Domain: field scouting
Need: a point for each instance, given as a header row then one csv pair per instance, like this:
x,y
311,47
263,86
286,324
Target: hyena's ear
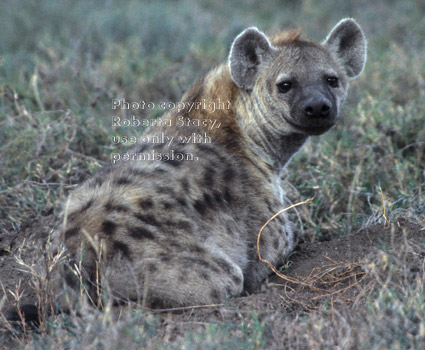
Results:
x,y
249,49
348,43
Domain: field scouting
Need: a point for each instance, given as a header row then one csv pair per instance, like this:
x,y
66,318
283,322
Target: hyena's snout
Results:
x,y
315,113
318,107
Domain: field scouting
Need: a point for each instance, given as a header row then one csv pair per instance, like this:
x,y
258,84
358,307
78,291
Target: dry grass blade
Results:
x,y
287,278
325,280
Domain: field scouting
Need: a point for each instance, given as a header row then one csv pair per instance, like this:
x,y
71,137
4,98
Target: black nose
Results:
x,y
318,107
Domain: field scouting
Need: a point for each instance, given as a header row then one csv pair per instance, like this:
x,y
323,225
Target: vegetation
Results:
x,y
62,62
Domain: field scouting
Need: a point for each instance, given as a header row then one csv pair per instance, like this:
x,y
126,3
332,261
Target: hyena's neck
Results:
x,y
266,137
239,128
272,147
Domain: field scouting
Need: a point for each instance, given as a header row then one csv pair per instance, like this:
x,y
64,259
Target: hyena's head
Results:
x,y
298,85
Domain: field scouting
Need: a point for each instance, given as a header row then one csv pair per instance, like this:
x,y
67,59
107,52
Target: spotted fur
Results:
x,y
175,233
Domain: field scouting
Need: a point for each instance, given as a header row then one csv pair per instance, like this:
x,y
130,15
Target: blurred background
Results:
x,y
61,63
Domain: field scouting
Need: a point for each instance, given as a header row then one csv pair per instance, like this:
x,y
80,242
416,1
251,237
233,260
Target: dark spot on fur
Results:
x,y
185,185
200,207
204,275
72,232
181,201
87,206
140,233
158,146
215,294
194,248
218,197
208,179
227,196
166,190
122,181
269,207
205,264
276,243
108,227
164,257
184,225
169,223
232,138
174,244
152,268
167,205
160,171
143,148
208,200
109,206
148,219
173,162
146,204
123,248
212,151
138,172
74,215
228,174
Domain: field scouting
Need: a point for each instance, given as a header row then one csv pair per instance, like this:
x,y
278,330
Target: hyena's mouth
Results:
x,y
310,128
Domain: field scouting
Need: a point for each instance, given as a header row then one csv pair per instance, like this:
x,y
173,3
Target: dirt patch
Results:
x,y
332,272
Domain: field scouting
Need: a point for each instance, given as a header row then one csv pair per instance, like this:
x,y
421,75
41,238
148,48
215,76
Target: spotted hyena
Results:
x,y
175,232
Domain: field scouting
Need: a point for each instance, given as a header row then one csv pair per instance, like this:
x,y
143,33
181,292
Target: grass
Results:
x,y
62,63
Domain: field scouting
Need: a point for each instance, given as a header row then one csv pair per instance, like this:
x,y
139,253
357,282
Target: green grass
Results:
x,y
62,62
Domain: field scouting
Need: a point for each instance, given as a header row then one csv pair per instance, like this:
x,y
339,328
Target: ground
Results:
x,y
333,273
61,64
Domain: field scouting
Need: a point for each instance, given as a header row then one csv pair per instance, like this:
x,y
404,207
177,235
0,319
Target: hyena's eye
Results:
x,y
284,86
333,82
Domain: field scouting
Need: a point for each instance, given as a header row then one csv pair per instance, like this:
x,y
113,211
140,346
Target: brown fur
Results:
x,y
173,233
286,38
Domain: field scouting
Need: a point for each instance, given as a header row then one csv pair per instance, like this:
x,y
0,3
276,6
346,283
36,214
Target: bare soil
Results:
x,y
329,272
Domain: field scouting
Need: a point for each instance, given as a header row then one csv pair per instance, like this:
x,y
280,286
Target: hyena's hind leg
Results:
x,y
175,280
